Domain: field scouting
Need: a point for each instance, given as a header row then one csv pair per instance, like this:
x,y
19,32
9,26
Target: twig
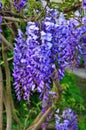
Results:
x,y
50,127
74,7
12,31
5,42
11,19
36,120
9,59
43,117
10,13
6,23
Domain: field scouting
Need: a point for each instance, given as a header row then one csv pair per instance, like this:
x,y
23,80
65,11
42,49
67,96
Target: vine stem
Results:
x,y
8,94
37,124
8,91
1,100
9,59
5,42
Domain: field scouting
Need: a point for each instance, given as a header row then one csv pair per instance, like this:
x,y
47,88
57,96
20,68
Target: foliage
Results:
x,y
82,122
34,7
27,113
71,97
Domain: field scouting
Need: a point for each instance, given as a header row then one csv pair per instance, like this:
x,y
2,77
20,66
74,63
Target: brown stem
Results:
x,y
7,71
11,19
2,24
74,7
5,42
6,13
35,121
15,19
12,31
37,118
8,91
1,100
9,59
15,27
51,127
36,126
7,104
8,86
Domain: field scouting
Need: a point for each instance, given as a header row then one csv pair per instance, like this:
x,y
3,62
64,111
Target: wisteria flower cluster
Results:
x,y
66,121
43,52
19,5
84,4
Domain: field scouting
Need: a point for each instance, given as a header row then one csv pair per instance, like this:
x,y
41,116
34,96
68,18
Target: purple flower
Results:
x,y
0,23
1,4
0,19
61,19
19,5
77,13
66,121
42,55
84,20
84,4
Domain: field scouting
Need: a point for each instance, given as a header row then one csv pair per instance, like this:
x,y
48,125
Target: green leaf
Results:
x,y
3,2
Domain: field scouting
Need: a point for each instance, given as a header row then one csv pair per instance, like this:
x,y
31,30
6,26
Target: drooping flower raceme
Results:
x,y
66,121
43,52
19,65
31,62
